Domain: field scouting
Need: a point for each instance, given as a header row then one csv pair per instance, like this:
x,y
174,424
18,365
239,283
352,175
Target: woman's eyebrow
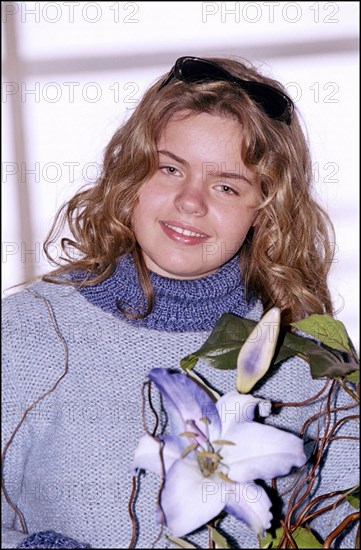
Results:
x,y
174,157
224,174
232,175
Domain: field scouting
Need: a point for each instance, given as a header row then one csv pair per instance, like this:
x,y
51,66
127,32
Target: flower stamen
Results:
x,y
212,456
208,462
224,477
222,442
189,449
199,435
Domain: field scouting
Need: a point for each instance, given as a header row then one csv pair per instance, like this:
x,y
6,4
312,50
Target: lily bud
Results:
x,y
255,356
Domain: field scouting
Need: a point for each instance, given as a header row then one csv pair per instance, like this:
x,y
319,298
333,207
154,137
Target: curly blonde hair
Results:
x,y
286,257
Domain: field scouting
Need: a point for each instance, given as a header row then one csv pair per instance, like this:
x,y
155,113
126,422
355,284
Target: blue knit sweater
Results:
x,y
66,469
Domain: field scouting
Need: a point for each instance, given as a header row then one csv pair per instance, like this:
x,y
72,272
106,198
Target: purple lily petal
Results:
x,y
189,500
261,452
250,503
148,454
186,401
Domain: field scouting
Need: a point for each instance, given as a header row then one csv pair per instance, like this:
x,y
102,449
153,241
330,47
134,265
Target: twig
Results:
x,y
341,420
211,542
163,522
131,513
303,518
336,532
347,389
149,397
302,403
321,413
310,478
287,535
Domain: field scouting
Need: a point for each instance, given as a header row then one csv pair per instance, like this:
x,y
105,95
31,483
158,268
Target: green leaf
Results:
x,y
219,540
323,360
189,362
302,537
354,376
325,364
222,347
355,502
354,498
305,539
269,541
326,329
180,543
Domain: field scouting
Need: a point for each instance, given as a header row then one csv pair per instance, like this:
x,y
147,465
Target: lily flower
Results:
x,y
212,456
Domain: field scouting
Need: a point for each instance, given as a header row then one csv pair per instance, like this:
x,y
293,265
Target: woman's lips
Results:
x,y
184,234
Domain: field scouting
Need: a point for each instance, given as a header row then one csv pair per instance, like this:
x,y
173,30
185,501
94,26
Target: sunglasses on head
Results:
x,y
194,70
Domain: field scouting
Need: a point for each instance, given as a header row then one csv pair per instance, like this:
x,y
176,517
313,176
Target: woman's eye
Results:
x,y
227,190
170,170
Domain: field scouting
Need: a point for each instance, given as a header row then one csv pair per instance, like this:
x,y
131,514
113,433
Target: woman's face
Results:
x,y
194,213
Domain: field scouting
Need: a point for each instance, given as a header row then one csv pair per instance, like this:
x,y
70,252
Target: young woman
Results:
x,y
204,207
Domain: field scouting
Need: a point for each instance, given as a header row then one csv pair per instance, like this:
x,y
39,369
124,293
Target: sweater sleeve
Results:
x,y
23,342
15,452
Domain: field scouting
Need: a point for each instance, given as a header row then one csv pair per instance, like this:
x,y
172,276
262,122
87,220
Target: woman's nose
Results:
x,y
191,199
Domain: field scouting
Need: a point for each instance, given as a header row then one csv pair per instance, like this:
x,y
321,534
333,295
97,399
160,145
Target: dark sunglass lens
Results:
x,y
197,70
193,70
273,102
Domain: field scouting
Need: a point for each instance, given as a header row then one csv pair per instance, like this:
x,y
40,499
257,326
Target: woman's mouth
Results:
x,y
182,233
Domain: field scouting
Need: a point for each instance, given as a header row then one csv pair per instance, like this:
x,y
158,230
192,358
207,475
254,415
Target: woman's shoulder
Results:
x,y
30,315
31,298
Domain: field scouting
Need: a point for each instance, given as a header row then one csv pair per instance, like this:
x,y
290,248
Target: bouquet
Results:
x,y
216,449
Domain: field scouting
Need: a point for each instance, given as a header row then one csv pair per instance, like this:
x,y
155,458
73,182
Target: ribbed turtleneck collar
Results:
x,y
179,305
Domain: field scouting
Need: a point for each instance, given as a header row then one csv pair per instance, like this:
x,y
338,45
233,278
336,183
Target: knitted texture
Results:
x,y
50,539
179,305
67,467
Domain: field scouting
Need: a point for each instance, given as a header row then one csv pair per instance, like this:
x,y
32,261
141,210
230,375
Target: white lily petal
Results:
x,y
186,401
188,499
261,452
256,353
235,408
249,502
148,455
